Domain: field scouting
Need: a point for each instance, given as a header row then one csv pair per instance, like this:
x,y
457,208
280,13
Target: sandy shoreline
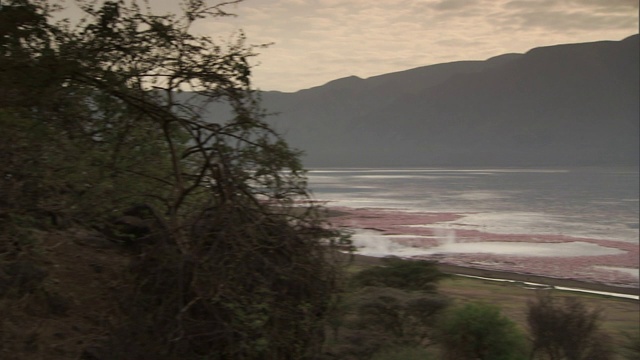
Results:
x,y
422,232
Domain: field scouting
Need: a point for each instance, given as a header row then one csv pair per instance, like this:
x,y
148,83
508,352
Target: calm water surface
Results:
x,y
597,203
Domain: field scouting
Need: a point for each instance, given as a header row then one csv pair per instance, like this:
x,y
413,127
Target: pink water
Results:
x,y
446,237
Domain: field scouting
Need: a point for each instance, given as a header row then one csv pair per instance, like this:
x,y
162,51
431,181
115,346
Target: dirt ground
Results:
x,y
70,309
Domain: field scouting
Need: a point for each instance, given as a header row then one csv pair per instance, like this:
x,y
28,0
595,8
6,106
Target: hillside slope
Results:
x,y
574,104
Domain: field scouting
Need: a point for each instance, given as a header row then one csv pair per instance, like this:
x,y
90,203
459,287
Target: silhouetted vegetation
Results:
x,y
98,137
566,329
480,331
391,306
374,320
400,274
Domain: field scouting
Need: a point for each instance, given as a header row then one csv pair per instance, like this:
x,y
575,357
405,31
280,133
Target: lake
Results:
x,y
500,212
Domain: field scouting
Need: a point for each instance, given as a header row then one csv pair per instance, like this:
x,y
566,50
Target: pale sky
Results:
x,y
316,41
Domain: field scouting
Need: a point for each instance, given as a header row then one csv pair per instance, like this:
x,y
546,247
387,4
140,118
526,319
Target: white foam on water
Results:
x,y
373,243
409,236
568,249
540,224
630,271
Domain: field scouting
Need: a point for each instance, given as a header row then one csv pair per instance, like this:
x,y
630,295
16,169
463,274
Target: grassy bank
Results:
x,y
620,317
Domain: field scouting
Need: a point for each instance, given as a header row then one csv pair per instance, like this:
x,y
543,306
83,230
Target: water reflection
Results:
x,y
597,203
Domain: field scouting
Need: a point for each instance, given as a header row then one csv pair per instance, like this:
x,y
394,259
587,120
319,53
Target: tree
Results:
x,y
566,329
404,318
414,275
110,115
479,331
393,306
70,149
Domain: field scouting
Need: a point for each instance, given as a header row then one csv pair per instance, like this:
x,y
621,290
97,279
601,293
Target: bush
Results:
x,y
566,330
380,318
396,273
479,331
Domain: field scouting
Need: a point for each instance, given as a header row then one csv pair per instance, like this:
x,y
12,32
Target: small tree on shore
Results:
x,y
411,275
393,309
566,329
479,331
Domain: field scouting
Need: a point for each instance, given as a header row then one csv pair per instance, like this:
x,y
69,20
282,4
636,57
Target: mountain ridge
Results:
x,y
567,104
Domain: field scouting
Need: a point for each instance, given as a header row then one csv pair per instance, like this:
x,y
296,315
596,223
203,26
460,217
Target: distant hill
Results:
x,y
575,104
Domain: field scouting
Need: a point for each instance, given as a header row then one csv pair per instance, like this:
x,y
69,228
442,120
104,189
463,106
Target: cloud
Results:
x,y
571,15
316,41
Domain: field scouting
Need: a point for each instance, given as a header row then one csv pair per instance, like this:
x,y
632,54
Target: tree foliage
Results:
x,y
404,318
412,275
566,329
393,306
108,117
480,331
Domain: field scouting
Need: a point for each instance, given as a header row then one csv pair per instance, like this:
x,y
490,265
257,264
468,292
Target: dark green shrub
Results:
x,y
413,275
566,329
480,331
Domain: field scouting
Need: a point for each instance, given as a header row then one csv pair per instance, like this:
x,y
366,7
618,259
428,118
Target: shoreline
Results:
x,y
585,272
530,278
511,276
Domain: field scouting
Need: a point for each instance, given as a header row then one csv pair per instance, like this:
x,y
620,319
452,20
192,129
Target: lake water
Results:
x,y
576,223
599,203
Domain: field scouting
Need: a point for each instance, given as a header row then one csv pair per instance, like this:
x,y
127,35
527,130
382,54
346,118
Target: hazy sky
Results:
x,y
316,41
